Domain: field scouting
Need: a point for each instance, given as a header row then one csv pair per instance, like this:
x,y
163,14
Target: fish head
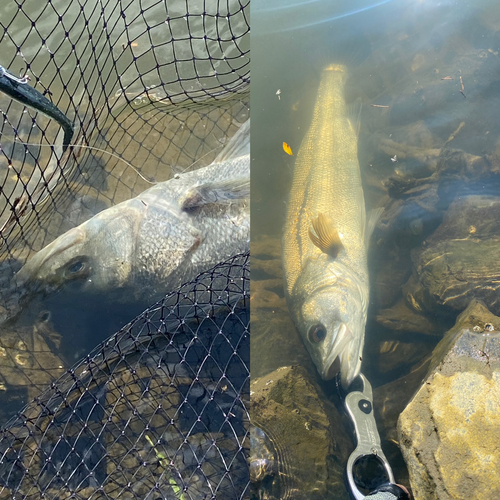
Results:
x,y
90,257
332,326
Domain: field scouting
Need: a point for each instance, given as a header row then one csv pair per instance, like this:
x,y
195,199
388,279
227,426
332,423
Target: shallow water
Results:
x,y
143,124
79,321
399,55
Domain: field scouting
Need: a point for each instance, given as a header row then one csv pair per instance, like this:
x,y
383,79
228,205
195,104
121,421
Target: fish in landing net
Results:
x,y
326,236
150,244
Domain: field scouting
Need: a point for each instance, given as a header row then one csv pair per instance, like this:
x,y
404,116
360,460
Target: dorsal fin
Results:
x,y
216,192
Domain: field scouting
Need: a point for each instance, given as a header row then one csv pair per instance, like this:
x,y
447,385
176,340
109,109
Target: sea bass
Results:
x,y
325,236
151,244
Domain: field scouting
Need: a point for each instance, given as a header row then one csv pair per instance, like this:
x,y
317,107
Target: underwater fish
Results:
x,y
326,236
149,245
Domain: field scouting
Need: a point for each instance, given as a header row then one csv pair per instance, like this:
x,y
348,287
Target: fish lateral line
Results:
x,y
327,238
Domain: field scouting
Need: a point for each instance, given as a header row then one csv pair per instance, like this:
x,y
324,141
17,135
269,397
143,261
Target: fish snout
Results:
x,y
331,362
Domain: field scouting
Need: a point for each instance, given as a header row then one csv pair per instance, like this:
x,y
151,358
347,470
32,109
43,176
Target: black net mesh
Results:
x,y
159,411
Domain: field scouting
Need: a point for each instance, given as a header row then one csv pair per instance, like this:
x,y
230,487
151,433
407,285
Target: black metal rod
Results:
x,y
19,90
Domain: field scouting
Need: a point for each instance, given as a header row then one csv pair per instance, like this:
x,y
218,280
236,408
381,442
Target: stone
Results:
x,y
396,355
402,318
460,261
389,401
449,432
305,431
391,267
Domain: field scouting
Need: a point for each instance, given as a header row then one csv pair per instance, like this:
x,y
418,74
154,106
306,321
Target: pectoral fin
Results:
x,y
216,192
373,218
327,238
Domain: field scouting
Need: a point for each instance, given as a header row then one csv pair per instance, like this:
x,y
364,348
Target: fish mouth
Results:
x,y
330,367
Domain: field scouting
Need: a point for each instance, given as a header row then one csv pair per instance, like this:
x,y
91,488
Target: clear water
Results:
x,y
398,54
152,140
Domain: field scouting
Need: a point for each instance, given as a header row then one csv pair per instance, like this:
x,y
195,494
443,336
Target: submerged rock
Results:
x,y
461,260
27,363
300,447
448,433
396,355
390,268
402,318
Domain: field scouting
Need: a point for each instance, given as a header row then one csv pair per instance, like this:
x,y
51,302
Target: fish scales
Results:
x,y
327,181
222,229
325,165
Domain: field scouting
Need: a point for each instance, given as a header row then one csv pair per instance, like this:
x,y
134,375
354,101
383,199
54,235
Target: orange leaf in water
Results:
x,y
287,149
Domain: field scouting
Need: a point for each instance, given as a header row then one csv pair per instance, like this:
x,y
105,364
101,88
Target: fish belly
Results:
x,y
326,180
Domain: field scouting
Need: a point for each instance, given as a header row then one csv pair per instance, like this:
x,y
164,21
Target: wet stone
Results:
x,y
390,267
302,444
396,355
272,332
448,433
389,401
402,318
461,260
267,275
411,220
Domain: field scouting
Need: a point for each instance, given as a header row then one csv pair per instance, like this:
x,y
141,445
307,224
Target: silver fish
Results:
x,y
150,244
325,236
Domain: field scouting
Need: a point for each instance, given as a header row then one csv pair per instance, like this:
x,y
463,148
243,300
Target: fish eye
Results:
x,y
76,267
317,333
